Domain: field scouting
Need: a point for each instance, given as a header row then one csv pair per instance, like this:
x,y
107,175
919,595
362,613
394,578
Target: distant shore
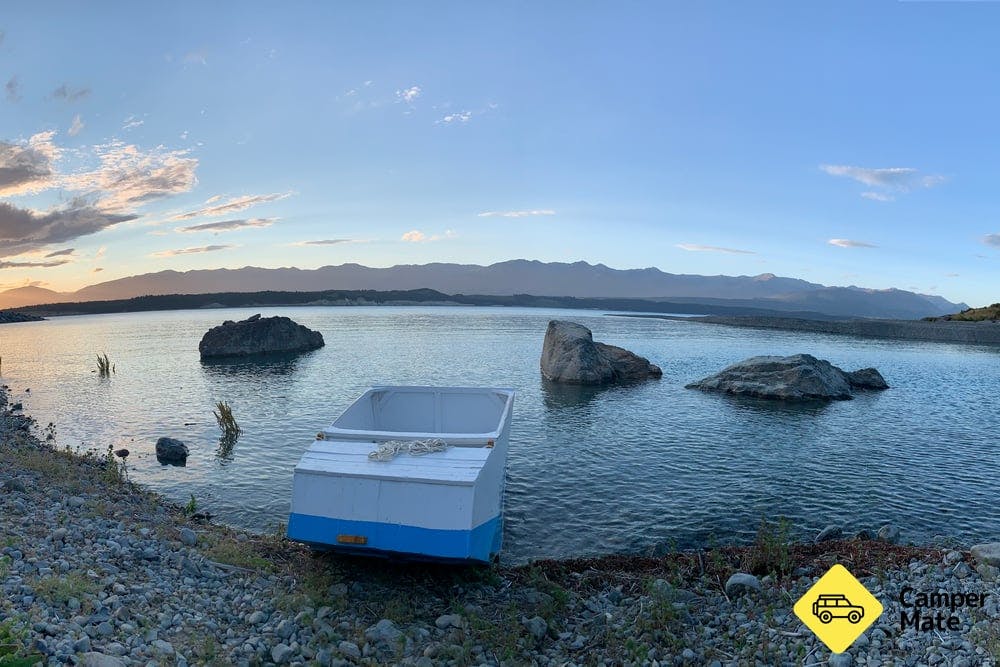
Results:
x,y
942,331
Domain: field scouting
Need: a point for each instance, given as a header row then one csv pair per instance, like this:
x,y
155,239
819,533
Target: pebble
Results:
x,y
741,583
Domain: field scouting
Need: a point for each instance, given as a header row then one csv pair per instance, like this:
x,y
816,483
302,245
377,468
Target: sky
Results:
x,y
846,143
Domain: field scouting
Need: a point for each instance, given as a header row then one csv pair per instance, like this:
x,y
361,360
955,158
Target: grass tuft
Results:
x,y
104,366
227,422
771,551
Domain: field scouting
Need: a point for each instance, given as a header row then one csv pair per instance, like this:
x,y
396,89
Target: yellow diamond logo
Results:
x,y
838,609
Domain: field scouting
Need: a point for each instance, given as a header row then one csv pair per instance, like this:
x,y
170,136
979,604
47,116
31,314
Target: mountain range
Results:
x,y
578,279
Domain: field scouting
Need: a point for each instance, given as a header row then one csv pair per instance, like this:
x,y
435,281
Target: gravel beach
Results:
x,y
97,571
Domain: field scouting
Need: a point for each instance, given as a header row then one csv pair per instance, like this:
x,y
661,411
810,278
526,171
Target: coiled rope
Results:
x,y
390,449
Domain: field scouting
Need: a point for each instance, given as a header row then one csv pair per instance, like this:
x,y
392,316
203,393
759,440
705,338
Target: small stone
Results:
x,y
285,629
74,501
446,621
688,655
840,660
164,647
537,626
952,557
188,537
987,554
93,659
740,583
829,533
256,618
889,533
82,645
350,649
383,632
59,534
281,653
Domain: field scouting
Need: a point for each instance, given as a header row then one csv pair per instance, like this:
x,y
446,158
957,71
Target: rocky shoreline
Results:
x,y
10,316
942,331
97,571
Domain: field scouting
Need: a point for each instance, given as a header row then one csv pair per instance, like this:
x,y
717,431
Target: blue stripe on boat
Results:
x,y
480,543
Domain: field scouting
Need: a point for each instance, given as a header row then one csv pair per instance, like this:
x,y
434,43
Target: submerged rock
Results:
x,y
570,355
798,377
258,335
169,450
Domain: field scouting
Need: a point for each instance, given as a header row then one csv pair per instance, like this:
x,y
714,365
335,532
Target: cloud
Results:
x,y
70,94
22,230
61,253
131,123
848,243
695,247
234,205
417,236
101,252
96,269
457,117
13,89
75,126
951,275
323,242
128,177
408,95
992,240
515,214
191,251
27,167
32,265
892,179
228,225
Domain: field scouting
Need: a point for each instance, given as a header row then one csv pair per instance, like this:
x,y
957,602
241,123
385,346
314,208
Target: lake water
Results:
x,y
627,469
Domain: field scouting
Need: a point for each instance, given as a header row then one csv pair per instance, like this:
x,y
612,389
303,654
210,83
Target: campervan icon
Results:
x,y
828,607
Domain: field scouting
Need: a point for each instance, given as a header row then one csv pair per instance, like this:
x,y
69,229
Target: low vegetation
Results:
x,y
104,366
14,651
986,313
227,422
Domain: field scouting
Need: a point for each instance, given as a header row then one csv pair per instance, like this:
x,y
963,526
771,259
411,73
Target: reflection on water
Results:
x,y
591,470
252,367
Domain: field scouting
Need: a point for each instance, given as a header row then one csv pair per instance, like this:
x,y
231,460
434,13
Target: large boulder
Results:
x,y
258,335
570,355
798,377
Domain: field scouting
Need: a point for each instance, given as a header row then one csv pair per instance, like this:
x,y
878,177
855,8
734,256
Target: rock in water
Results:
x,y
570,355
169,450
258,335
798,377
866,378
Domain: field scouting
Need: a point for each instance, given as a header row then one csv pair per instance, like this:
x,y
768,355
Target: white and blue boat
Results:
x,y
412,471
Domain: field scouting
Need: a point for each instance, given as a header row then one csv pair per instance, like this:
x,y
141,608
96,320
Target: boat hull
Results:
x,y
441,505
480,544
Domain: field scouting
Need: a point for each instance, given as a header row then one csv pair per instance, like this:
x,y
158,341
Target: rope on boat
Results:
x,y
390,449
